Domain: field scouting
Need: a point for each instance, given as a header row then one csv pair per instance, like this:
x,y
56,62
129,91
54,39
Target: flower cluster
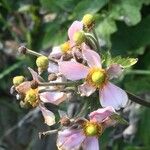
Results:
x,y
74,69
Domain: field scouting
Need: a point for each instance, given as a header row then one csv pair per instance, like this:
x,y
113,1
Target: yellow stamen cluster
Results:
x,y
32,97
92,129
18,80
96,77
65,47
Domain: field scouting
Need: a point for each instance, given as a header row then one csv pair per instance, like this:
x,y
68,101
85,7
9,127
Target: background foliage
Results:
x,y
123,27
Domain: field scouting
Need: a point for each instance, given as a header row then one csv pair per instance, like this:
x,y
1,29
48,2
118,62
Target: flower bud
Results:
x,y
18,80
65,47
88,20
42,62
79,37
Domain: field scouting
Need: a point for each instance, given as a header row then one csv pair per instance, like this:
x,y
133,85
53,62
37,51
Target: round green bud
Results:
x,y
98,77
79,37
18,80
88,19
42,62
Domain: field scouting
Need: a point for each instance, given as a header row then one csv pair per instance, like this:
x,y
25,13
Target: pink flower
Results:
x,y
86,136
95,77
67,47
35,98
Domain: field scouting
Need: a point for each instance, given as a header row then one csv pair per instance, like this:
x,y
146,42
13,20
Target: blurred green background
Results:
x,y
123,27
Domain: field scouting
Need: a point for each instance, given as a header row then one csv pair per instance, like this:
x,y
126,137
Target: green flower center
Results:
x,y
79,37
98,77
92,129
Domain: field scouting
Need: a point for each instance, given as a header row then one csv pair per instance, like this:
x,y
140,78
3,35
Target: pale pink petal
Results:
x,y
91,143
49,116
86,89
70,139
75,27
23,87
114,71
73,70
35,75
112,95
92,58
56,52
102,113
53,68
53,97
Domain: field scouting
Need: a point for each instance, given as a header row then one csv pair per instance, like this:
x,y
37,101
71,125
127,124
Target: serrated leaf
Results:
x,y
124,62
118,118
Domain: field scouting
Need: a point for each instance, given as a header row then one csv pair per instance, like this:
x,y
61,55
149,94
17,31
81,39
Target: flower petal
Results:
x,y
86,89
73,70
93,58
91,143
75,27
53,97
53,68
49,116
35,75
56,52
114,71
112,95
70,139
100,114
23,87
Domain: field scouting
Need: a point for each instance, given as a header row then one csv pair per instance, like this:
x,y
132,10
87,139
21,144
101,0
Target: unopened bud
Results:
x,y
34,84
65,121
22,50
18,80
52,77
88,20
79,37
42,62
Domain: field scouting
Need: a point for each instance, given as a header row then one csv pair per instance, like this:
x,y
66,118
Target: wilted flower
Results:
x,y
95,77
34,98
88,132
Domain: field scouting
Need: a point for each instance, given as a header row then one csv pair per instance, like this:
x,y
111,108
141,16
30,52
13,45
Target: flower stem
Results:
x,y
57,83
140,72
138,100
96,37
68,89
24,50
44,134
93,39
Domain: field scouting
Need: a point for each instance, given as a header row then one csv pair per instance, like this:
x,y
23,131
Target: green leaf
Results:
x,y
124,62
106,28
118,118
131,38
127,10
88,6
